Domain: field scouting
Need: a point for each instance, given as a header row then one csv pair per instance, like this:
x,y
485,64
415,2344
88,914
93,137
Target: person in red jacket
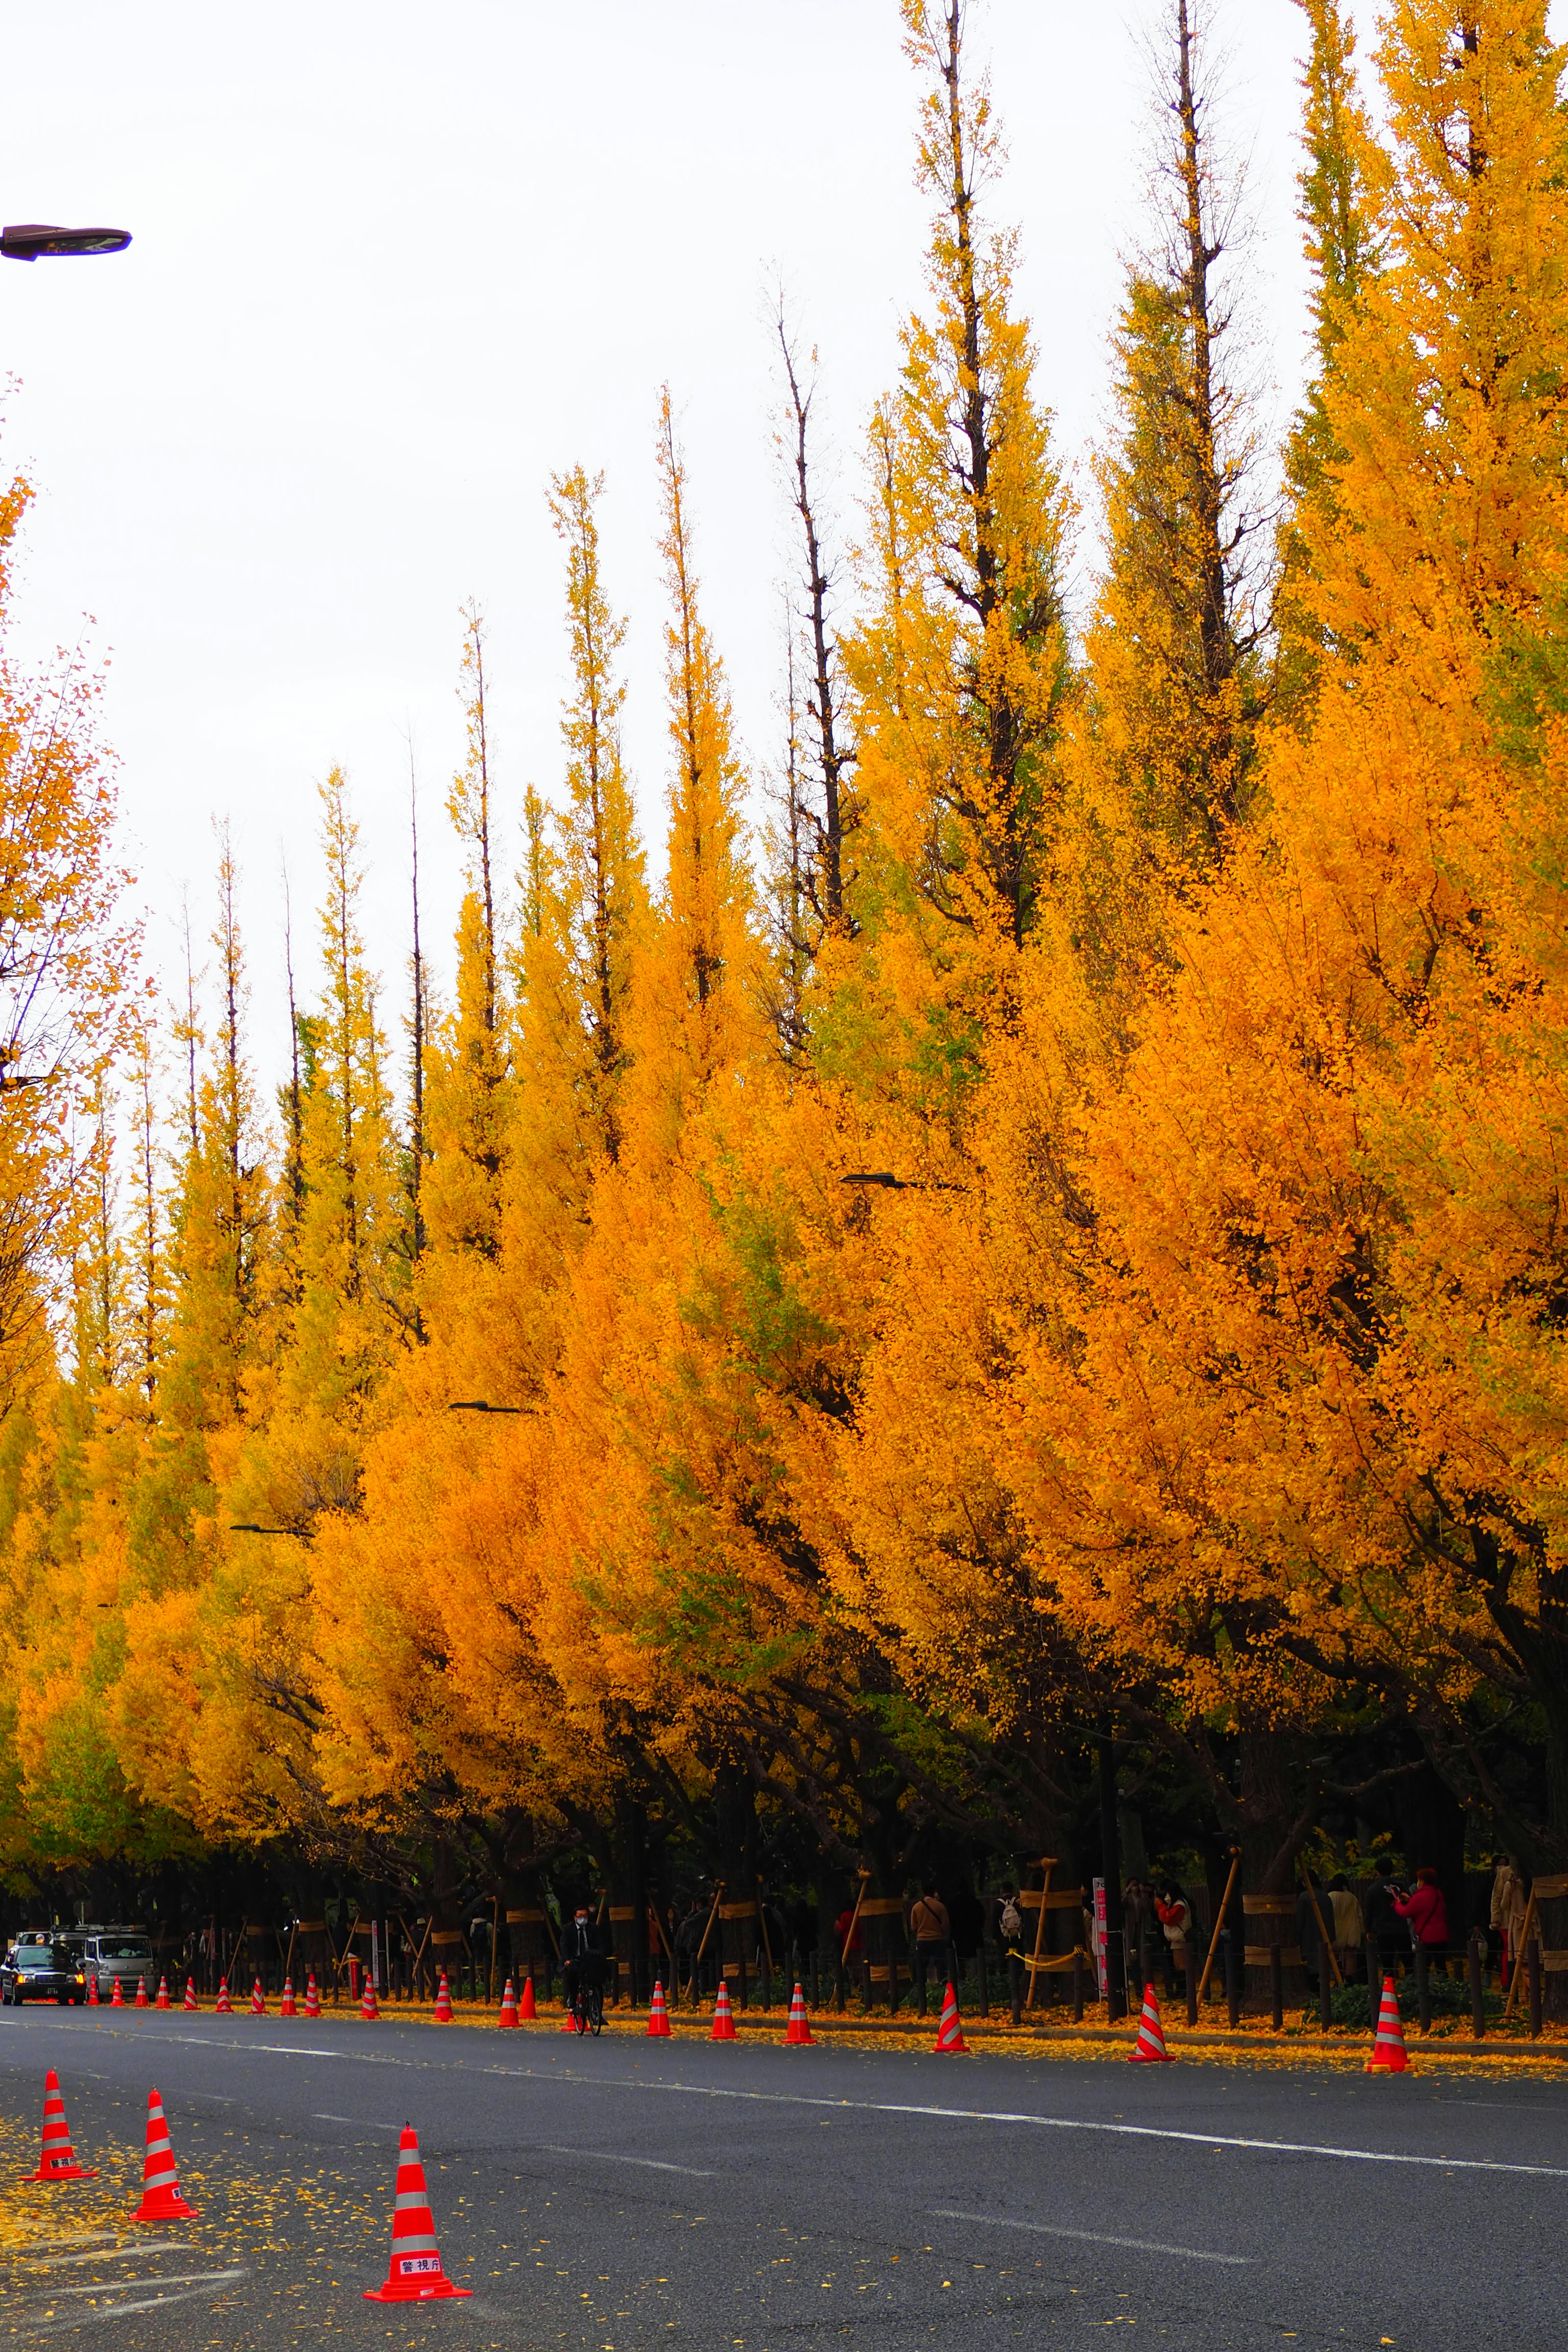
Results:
x,y
1423,1910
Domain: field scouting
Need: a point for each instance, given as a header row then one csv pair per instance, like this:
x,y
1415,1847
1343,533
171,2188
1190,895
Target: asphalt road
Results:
x,y
620,2195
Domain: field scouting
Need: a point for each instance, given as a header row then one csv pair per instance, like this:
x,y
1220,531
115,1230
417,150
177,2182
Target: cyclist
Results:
x,y
582,1963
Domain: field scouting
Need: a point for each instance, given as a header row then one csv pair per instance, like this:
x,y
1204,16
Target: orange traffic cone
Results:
x,y
798,2035
368,2009
1388,2050
508,2005
1149,2048
415,2275
142,2000
286,2006
312,1996
566,2024
161,2198
117,2000
224,2007
58,2160
949,2040
92,2000
442,2001
163,2000
724,2023
192,2003
258,2000
525,2008
658,2015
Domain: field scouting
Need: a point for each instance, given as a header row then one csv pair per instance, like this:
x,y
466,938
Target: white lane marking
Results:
x,y
64,2237
105,2253
602,2155
1094,2237
359,2123
896,2107
278,2048
123,2310
209,2042
1041,2122
169,2278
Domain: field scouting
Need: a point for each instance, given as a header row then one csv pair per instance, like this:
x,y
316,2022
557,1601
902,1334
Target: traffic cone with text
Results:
x,y
1149,2048
415,2274
161,2198
508,2005
798,2035
442,2001
224,2006
525,2008
658,2015
58,2160
950,2038
192,2003
1388,2050
724,2023
286,2006
163,2000
312,1996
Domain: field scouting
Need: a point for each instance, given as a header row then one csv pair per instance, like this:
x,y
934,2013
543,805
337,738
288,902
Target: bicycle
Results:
x,y
586,2009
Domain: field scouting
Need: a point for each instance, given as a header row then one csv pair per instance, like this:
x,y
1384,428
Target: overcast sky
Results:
x,y
394,263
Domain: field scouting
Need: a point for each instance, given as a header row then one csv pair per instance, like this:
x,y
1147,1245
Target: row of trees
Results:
x,y
1046,1260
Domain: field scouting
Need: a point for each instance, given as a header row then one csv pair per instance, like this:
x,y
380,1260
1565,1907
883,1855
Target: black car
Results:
x,y
42,1972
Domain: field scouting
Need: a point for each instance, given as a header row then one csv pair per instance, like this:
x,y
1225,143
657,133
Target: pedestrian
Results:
x,y
1175,1916
1010,1938
1347,1926
1509,1904
1425,1914
1385,1931
933,1932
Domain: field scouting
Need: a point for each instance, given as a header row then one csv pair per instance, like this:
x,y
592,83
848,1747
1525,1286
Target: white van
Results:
x,y
122,1952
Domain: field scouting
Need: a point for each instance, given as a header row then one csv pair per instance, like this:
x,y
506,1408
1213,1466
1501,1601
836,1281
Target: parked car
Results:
x,y
35,1971
122,1952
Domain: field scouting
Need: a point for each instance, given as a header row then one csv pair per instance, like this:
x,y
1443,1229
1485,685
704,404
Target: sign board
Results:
x,y
1100,1927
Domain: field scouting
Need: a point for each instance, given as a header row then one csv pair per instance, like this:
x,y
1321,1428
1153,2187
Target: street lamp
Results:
x,y
27,239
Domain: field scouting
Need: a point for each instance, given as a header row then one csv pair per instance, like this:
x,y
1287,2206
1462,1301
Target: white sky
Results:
x,y
394,263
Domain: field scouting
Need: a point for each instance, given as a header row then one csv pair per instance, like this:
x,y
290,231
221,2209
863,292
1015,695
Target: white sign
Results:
x,y
376,1955
1100,1927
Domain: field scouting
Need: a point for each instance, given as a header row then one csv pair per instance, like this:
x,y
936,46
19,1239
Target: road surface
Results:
x,y
621,2195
